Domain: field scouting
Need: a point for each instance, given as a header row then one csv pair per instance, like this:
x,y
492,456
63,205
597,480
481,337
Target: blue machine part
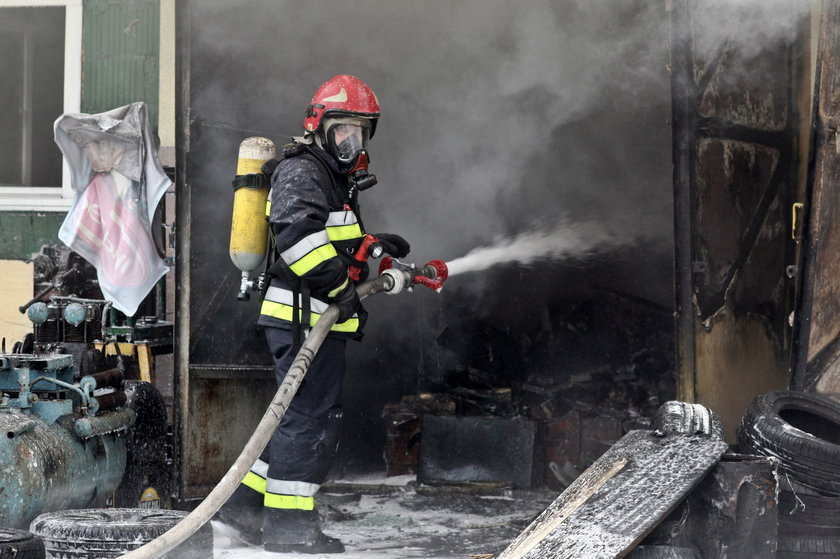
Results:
x,y
74,313
58,366
38,313
47,467
51,410
55,451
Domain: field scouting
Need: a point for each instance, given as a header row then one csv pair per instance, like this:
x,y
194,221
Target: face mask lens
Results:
x,y
348,140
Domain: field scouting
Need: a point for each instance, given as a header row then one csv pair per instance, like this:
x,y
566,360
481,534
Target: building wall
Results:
x,y
17,289
121,65
121,46
124,44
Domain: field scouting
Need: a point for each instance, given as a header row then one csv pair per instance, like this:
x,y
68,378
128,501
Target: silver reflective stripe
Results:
x,y
297,488
305,246
286,297
341,218
260,468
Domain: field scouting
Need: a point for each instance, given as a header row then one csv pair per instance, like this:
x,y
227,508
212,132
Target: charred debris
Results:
x,y
555,388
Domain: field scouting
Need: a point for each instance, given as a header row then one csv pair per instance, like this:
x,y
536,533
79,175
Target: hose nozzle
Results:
x,y
432,274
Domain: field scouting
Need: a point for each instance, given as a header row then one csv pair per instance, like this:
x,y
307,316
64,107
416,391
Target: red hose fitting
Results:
x,y
441,269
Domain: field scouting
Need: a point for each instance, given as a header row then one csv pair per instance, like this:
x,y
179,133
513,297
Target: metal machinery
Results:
x,y
73,441
78,426
69,310
63,446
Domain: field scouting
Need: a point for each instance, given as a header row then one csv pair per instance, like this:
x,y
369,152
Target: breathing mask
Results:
x,y
346,140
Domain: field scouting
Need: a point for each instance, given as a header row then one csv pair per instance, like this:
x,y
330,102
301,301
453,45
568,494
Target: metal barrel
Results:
x,y
46,467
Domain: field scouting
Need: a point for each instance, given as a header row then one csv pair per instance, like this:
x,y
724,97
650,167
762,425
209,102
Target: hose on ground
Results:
x,y
271,418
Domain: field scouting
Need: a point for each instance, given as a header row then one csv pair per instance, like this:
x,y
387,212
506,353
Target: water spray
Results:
x,y
564,241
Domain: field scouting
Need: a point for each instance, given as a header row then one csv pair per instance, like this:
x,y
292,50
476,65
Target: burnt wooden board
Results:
x,y
620,498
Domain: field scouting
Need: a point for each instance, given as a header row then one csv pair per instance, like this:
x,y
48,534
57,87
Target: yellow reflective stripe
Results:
x,y
255,482
344,232
338,289
267,208
289,502
284,312
315,257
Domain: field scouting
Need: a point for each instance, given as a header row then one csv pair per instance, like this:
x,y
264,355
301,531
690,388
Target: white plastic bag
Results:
x,y
118,180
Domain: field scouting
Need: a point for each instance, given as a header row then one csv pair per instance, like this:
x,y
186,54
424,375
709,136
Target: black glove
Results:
x,y
347,301
394,245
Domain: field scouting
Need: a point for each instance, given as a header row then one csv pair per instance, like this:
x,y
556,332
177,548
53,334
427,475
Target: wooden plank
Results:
x,y
617,501
145,362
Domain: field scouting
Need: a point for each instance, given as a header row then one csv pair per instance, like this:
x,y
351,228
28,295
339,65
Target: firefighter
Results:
x,y
315,221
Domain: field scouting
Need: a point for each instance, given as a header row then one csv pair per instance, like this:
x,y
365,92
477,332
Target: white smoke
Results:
x,y
501,144
749,26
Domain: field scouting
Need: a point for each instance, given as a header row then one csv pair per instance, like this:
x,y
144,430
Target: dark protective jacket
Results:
x,y
317,229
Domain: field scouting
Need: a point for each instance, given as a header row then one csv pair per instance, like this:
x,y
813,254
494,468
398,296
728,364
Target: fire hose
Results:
x,y
394,276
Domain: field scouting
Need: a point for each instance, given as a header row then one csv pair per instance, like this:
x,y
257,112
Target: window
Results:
x,y
40,42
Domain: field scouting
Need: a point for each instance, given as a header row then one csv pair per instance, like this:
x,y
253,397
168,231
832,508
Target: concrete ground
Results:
x,y
394,518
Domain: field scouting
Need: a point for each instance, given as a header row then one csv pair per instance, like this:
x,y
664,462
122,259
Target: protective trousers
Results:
x,y
283,482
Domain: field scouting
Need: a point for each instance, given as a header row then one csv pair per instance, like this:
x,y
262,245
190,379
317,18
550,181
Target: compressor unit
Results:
x,y
70,441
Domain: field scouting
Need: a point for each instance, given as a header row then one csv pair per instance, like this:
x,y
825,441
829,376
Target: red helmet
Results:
x,y
342,95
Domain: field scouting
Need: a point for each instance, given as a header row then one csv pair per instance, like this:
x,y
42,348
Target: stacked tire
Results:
x,y
111,533
19,544
802,431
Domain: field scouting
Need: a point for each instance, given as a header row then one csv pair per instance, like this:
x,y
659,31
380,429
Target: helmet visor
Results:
x,y
347,140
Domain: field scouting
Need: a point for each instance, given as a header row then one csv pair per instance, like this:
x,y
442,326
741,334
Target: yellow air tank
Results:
x,y
249,228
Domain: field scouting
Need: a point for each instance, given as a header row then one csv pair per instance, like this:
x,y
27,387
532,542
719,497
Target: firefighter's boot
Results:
x,y
244,512
297,531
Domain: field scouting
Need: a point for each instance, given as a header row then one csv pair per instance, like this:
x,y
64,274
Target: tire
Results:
x,y
19,544
109,533
662,552
809,515
802,547
801,430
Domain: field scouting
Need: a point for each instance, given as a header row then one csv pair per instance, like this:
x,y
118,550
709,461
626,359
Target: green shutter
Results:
x,y
121,55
